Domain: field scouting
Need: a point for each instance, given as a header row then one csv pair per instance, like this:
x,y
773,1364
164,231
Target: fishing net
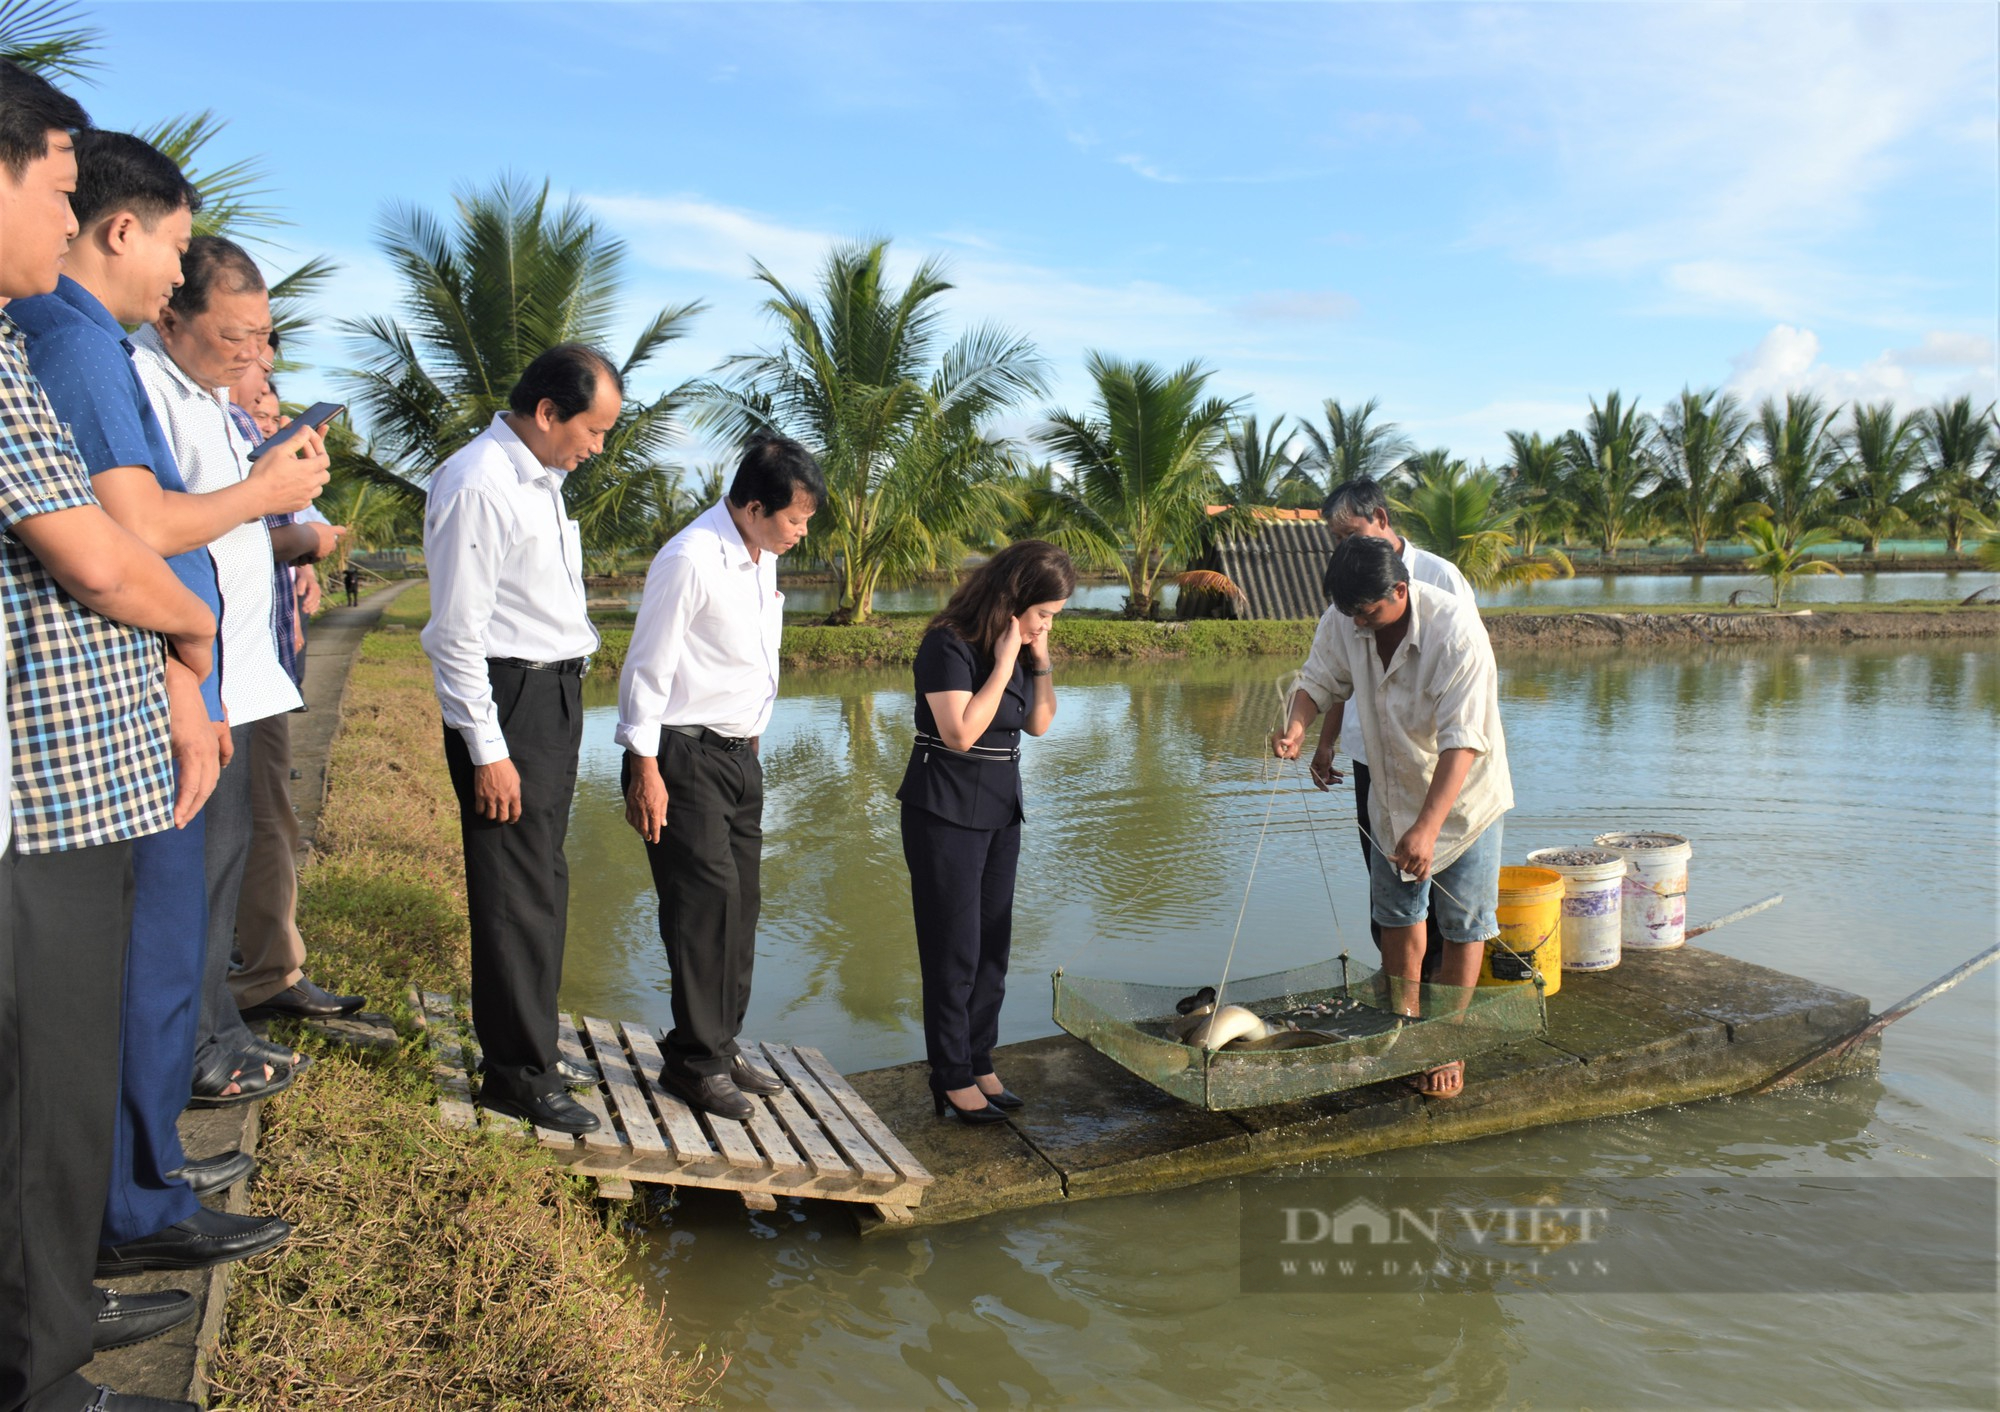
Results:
x,y
1335,1031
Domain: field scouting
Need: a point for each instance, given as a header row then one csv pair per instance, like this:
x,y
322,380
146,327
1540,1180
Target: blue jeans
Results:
x,y
1468,892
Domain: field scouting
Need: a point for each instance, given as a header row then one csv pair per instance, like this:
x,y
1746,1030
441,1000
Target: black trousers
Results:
x,y
1433,938
706,869
962,889
64,921
517,879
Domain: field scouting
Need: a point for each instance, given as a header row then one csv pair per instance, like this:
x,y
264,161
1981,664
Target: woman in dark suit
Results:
x,y
983,677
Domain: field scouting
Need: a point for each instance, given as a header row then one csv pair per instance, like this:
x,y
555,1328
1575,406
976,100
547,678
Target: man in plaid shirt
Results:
x,y
85,603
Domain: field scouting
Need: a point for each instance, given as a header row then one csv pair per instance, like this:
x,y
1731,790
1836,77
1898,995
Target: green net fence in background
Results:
x,y
1366,1042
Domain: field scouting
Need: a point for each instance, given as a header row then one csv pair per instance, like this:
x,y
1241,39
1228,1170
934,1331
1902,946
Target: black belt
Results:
x,y
999,754
709,737
573,667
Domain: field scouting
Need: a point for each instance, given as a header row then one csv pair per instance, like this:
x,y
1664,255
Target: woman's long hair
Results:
x,y
1023,574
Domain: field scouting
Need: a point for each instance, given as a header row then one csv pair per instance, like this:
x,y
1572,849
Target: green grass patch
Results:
x,y
433,1268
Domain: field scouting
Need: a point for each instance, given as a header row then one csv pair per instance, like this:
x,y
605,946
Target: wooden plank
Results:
x,y
683,1130
734,1140
447,1059
871,1164
826,1162
864,1117
770,1134
760,1201
893,1215
627,1101
614,1189
570,1046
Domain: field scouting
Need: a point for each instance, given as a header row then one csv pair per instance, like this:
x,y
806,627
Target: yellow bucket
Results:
x,y
1530,930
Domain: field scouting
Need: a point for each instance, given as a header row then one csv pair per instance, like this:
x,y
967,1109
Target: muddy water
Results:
x,y
1859,782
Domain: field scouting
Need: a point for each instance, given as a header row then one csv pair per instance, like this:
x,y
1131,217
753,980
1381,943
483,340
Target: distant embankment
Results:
x,y
892,641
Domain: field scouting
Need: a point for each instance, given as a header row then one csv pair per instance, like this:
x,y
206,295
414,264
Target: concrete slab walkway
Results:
x,y
1663,1028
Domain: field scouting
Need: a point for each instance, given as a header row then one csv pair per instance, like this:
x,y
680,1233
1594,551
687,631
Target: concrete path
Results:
x,y
172,1366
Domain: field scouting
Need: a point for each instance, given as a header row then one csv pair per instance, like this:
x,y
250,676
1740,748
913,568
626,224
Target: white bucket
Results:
x,y
1656,884
1593,888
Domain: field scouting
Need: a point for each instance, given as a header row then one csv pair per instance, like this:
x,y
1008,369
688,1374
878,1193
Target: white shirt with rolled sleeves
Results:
x,y
1441,691
705,645
1424,567
506,570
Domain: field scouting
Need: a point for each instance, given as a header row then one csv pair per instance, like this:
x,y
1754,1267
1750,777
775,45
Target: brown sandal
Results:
x,y
1444,1076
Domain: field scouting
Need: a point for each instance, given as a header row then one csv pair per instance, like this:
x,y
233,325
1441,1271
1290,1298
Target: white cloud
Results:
x,y
1787,359
1298,306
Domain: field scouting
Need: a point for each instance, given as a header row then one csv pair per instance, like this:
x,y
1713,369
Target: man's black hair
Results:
x,y
116,171
212,262
1361,497
30,108
566,375
1362,570
773,470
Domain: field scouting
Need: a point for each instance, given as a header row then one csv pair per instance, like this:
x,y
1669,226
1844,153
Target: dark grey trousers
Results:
x,y
517,879
64,922
228,818
707,870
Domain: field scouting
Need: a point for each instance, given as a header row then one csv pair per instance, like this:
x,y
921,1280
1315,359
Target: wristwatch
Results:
x,y
1040,671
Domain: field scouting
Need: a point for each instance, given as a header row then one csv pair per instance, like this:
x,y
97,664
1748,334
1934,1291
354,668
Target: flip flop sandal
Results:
x,y
209,1091
1415,1083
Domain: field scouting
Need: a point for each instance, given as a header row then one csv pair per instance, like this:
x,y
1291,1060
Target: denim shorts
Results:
x,y
1468,895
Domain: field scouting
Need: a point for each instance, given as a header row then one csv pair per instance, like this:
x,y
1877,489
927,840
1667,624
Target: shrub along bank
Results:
x,y
432,1268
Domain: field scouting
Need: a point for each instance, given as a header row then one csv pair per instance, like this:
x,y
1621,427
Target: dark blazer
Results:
x,y
979,788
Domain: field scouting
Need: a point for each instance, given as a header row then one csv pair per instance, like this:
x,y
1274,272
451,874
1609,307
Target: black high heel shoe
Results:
x,y
1006,1098
971,1117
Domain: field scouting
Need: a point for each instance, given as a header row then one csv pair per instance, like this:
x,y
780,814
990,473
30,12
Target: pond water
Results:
x,y
1859,782
1584,591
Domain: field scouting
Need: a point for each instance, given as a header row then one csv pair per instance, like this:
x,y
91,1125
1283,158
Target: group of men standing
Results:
x,y
509,639
152,658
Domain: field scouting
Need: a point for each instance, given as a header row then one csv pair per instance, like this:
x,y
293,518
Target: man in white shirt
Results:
x,y
1417,664
699,683
509,638
1360,506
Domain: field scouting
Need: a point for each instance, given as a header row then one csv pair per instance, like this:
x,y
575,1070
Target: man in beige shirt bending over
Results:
x,y
1416,664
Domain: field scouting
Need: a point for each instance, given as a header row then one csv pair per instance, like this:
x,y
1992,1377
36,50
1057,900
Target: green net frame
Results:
x,y
1126,1022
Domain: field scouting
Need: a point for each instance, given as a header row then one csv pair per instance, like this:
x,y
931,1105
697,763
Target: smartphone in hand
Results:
x,y
315,416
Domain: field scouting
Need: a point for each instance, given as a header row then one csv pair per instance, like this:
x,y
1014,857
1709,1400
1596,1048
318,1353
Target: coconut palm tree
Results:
x,y
1781,561
1534,472
900,421
1611,466
1142,463
483,294
1259,466
1351,446
1794,480
49,38
1464,516
1883,454
1701,462
1955,439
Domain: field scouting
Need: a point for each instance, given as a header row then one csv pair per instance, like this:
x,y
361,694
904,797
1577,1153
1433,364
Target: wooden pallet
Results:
x,y
817,1138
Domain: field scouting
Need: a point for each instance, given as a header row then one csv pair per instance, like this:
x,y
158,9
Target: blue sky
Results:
x,y
1481,215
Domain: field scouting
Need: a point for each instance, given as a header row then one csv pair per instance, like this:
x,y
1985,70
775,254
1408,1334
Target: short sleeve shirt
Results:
x,y
86,697
83,361
977,788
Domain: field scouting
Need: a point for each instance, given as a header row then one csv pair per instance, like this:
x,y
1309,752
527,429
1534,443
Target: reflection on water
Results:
x,y
1860,782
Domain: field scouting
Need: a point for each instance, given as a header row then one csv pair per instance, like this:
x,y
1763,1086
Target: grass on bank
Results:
x,y
431,1268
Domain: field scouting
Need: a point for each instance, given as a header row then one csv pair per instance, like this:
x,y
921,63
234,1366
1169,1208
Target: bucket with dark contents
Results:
x,y
1655,889
1592,906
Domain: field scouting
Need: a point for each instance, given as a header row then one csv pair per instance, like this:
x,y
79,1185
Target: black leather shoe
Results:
x,y
216,1173
972,1117
572,1075
751,1079
127,1319
714,1093
303,1001
551,1110
278,1056
206,1238
109,1401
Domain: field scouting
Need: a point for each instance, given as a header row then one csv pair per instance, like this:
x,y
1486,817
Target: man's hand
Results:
x,y
309,593
196,653
646,798
292,475
1287,743
1323,773
496,792
1414,853
326,539
197,758
225,743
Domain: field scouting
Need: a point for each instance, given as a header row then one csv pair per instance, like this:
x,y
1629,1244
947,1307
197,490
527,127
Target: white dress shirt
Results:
x,y
705,646
1440,691
213,455
506,569
1424,567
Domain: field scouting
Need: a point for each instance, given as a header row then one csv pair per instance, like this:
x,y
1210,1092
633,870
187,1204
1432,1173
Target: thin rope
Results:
x,y
1277,783
1312,831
